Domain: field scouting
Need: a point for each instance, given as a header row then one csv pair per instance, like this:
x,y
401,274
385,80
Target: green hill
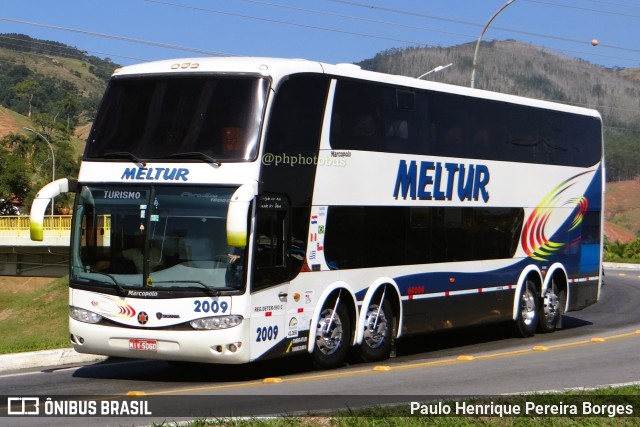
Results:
x,y
54,89
38,76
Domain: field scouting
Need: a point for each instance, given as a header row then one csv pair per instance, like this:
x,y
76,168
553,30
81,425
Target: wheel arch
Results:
x,y
393,296
559,273
530,271
347,296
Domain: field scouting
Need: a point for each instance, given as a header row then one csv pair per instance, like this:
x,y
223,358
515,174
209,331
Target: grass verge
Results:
x,y
36,319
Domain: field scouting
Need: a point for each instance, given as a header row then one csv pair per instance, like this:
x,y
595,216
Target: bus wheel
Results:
x,y
527,316
550,310
332,336
378,326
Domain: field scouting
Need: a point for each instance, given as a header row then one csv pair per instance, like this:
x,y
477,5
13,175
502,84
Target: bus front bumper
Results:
x,y
225,346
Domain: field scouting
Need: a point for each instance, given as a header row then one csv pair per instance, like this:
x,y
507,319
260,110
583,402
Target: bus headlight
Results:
x,y
217,322
83,315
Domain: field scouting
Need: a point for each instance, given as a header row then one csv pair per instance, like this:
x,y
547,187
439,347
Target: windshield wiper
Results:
x,y
122,154
121,291
195,155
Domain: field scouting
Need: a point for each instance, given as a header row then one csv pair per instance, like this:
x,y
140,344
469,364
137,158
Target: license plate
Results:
x,y
141,344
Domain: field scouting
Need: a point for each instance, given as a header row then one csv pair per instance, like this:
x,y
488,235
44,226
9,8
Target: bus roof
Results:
x,y
278,68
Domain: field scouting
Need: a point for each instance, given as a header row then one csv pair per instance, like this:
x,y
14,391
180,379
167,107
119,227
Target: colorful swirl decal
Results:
x,y
535,242
113,307
583,205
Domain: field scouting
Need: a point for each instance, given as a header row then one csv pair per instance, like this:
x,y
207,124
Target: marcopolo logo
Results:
x,y
441,181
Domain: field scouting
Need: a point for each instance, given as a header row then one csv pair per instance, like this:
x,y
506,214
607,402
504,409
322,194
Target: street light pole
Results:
x,y
435,70
475,54
53,163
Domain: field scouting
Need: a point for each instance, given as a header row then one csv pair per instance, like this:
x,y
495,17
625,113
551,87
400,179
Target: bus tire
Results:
x,y
550,309
527,314
376,343
333,336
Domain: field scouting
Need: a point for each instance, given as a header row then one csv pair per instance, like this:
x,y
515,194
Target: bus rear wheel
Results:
x,y
550,311
378,327
332,338
527,314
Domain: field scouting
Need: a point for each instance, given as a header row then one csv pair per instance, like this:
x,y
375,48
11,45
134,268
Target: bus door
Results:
x,y
270,294
268,321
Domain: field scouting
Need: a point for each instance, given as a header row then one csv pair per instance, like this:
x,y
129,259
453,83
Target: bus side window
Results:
x,y
270,244
270,239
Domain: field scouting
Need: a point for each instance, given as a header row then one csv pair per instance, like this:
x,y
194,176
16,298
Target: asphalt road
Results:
x,y
596,346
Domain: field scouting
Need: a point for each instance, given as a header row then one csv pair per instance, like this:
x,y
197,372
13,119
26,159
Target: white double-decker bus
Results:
x,y
235,209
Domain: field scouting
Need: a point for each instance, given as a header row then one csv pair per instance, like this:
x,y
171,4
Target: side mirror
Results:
x,y
40,203
238,213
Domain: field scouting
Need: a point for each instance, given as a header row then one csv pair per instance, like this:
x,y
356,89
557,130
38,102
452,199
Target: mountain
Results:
x,y
526,70
622,211
631,73
39,76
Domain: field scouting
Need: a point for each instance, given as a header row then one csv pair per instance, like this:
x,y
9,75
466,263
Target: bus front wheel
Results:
x,y
332,337
527,314
378,327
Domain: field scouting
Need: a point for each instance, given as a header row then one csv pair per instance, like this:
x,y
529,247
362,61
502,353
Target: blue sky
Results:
x,y
130,31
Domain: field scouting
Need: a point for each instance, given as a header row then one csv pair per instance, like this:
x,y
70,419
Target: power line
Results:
x,y
114,37
351,17
457,21
409,42
626,15
295,24
616,4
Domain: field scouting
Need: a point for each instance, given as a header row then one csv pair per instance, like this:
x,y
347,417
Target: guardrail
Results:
x,y
14,231
21,256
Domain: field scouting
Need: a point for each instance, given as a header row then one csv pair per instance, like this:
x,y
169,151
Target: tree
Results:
x,y
15,179
66,165
46,124
27,89
70,107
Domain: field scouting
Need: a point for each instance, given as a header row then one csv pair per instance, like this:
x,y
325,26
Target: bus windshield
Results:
x,y
170,238
177,117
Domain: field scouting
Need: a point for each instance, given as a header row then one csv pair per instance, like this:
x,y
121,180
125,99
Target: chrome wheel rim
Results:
x,y
528,307
329,333
375,327
551,305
